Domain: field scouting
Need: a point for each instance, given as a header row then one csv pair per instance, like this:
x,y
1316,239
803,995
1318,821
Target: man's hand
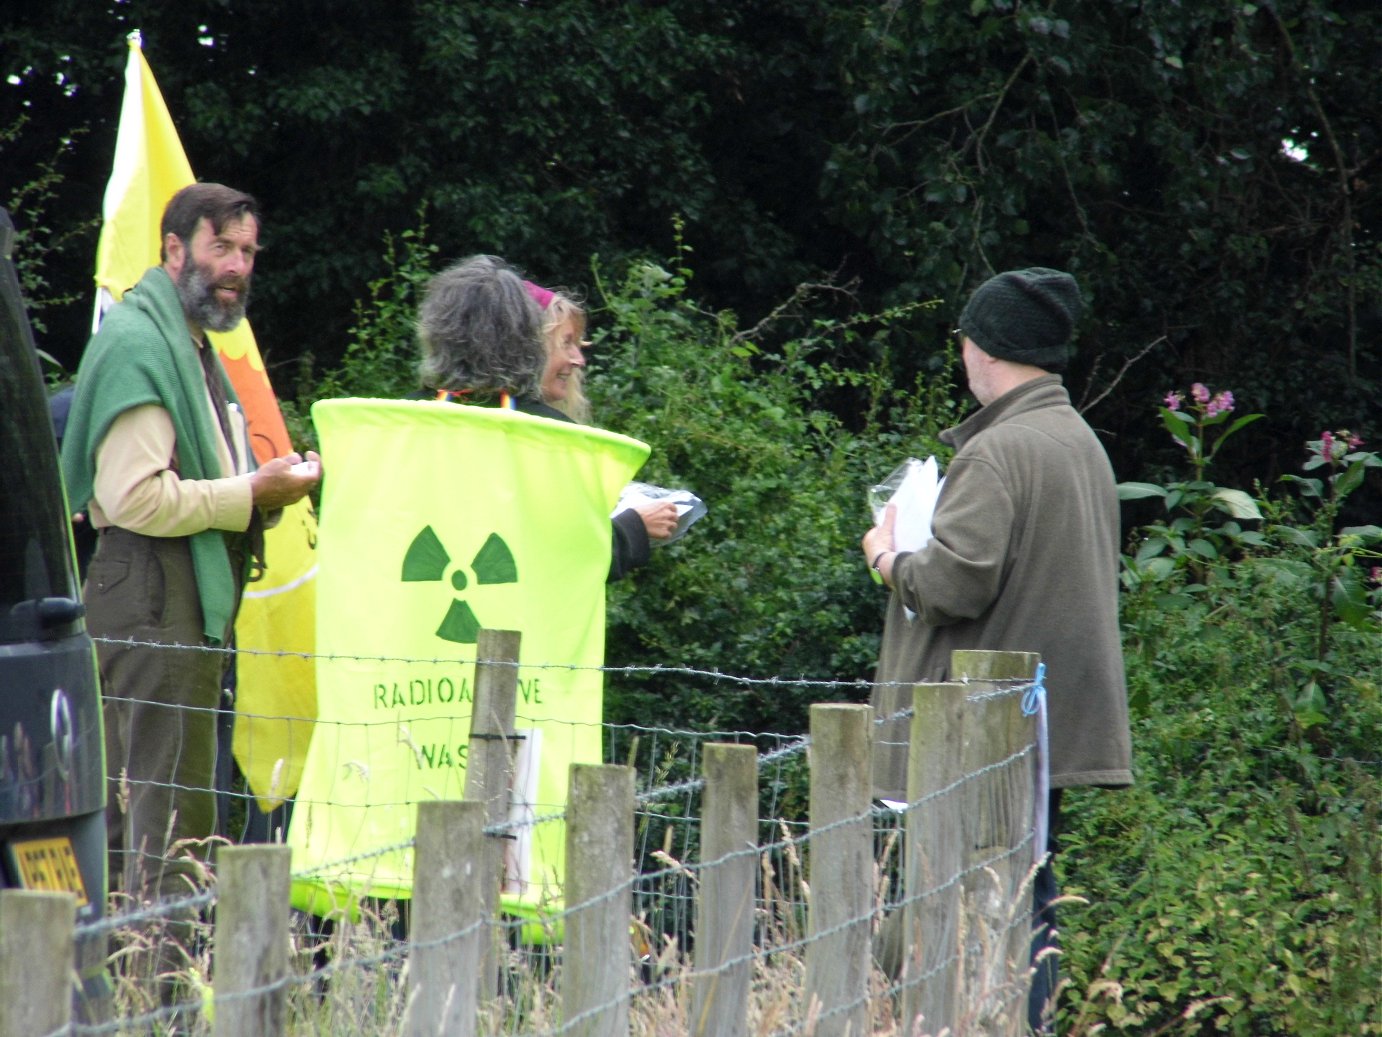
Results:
x,y
880,544
659,518
276,485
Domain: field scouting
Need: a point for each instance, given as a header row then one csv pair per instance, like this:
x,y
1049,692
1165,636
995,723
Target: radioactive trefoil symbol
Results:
x,y
427,561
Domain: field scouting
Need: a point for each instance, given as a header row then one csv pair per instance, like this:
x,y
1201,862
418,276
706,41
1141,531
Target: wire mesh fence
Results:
x,y
932,927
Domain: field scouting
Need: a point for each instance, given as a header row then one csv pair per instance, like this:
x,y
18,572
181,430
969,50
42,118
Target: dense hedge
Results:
x,y
1243,872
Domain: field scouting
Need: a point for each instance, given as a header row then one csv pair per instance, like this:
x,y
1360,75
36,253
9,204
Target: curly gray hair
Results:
x,y
480,330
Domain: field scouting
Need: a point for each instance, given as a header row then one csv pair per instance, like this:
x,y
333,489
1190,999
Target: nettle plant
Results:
x,y
1205,523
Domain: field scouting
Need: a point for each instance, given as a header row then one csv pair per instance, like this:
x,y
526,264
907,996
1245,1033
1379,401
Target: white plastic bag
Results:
x,y
689,506
913,487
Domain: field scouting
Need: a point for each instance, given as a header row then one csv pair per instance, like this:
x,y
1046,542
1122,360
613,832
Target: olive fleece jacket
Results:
x,y
1023,558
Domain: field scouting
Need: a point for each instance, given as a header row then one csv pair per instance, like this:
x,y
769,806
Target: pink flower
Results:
x,y
1199,393
1354,440
1327,445
1174,400
1377,574
1222,403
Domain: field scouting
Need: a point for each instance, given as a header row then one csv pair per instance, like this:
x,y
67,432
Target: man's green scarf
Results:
x,y
144,353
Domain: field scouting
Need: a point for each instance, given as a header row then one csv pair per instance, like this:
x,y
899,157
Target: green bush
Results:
x,y
1243,866
770,582
1237,888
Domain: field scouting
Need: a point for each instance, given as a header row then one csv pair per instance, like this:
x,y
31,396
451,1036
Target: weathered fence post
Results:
x,y
489,771
838,955
596,955
36,947
998,821
251,941
931,885
450,931
724,919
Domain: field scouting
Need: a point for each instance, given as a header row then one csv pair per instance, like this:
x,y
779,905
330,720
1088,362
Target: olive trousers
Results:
x,y
160,699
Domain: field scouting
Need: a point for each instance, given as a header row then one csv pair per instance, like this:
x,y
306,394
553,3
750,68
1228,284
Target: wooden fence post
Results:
x,y
36,948
489,771
839,953
596,956
931,885
998,821
251,941
450,930
725,912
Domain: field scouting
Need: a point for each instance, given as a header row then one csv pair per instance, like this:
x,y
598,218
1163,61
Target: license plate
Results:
x,y
49,865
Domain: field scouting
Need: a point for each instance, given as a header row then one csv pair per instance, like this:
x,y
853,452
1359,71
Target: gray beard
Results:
x,y
198,297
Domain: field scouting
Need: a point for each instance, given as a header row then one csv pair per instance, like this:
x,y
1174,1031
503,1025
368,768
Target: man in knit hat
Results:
x,y
1023,557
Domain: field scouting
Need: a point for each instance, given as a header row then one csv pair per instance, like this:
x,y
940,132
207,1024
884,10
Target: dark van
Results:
x,y
52,763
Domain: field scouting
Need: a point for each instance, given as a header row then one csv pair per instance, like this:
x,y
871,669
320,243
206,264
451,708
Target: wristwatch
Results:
x,y
877,572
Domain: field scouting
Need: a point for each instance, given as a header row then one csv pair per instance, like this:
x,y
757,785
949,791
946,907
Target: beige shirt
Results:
x,y
137,486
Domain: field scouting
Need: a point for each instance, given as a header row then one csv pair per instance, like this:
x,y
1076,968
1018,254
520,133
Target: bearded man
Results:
x,y
156,452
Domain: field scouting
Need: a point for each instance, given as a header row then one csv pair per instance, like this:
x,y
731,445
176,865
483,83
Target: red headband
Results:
x,y
540,295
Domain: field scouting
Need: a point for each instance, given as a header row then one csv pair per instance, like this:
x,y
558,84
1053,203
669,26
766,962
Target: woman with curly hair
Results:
x,y
481,335
491,339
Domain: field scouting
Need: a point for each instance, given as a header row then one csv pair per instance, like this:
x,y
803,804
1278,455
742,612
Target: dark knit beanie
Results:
x,y
1026,316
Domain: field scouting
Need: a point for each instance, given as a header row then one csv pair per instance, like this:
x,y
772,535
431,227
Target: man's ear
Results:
x,y
175,252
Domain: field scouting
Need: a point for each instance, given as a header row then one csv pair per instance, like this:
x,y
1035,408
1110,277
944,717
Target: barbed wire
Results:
x,y
326,870
656,669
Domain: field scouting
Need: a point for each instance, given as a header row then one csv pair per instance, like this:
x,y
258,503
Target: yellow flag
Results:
x,y
276,624
440,520
150,167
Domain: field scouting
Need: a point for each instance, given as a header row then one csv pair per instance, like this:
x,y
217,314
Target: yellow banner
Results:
x,y
439,520
276,675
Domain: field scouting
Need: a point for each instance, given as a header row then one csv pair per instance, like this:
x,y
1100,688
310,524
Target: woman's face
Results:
x,y
563,357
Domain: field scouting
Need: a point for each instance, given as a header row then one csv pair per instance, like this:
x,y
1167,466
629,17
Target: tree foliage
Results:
x,y
915,147
1141,147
